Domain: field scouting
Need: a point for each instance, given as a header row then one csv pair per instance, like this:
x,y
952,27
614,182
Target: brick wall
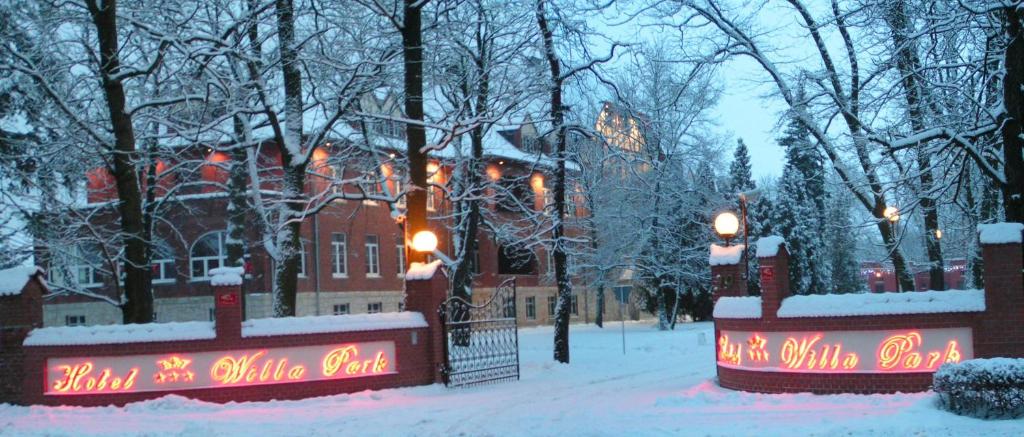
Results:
x,y
998,331
418,355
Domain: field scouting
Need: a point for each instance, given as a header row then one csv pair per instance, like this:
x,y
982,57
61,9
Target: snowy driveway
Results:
x,y
662,386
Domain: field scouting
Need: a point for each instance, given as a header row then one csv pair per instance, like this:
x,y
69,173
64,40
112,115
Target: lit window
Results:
x,y
374,307
372,256
340,309
207,253
339,255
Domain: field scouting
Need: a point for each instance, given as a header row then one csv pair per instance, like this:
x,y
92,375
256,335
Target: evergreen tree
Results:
x,y
842,244
740,181
799,215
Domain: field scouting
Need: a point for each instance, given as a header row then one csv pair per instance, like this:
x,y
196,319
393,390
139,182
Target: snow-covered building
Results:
x,y
353,251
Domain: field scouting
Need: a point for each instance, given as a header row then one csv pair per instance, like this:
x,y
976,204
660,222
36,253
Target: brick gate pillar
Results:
x,y
773,259
426,287
727,272
227,302
1001,332
21,310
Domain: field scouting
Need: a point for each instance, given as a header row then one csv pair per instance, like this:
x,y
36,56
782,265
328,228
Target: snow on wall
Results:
x,y
868,304
735,307
226,276
341,323
725,255
422,271
768,247
108,334
12,280
1000,233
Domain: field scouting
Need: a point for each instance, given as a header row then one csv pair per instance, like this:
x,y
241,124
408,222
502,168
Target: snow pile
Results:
x,y
746,307
1000,233
108,334
768,247
341,323
226,276
422,271
725,256
986,388
12,280
867,304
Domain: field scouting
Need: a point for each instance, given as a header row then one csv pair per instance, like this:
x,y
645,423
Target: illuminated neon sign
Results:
x,y
897,351
183,371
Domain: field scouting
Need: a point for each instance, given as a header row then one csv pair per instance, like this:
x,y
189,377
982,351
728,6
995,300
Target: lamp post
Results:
x,y
892,214
726,225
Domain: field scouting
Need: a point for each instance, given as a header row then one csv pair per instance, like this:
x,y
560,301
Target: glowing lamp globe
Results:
x,y
424,241
726,225
891,213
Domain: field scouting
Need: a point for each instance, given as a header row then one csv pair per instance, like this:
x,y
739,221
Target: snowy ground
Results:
x,y
662,386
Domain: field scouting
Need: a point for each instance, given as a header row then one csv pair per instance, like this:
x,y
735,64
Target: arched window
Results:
x,y
207,253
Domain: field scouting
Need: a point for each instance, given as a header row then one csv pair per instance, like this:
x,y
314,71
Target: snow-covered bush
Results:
x,y
991,388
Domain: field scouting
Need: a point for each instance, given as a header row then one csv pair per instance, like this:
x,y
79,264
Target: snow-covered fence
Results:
x,y
234,360
866,342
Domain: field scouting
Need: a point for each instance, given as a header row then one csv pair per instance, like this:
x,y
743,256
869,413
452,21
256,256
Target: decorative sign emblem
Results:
x,y
182,371
767,273
227,299
922,350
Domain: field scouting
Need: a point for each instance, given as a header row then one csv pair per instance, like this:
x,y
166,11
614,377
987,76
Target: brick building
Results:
x,y
354,251
880,277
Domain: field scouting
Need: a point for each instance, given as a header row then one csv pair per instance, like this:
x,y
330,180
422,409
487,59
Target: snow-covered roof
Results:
x,y
768,247
422,271
112,334
13,280
866,304
340,323
736,307
725,255
1000,233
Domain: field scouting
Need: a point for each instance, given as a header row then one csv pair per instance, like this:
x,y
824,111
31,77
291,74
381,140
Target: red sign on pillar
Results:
x,y
767,273
227,299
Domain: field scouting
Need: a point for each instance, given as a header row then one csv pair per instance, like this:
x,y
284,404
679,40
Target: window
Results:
x,y
879,287
510,307
531,308
207,253
431,193
76,320
516,261
400,256
401,306
575,306
339,255
549,201
302,259
372,256
389,128
213,314
374,307
514,193
552,303
81,264
163,263
476,260
340,309
399,196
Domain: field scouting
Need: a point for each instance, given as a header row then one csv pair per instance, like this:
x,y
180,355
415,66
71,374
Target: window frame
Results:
x,y
338,306
372,256
339,252
221,256
371,305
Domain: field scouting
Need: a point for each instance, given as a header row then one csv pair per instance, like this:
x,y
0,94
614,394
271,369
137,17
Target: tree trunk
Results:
x,y
909,65
557,229
599,317
1013,123
416,139
294,183
138,306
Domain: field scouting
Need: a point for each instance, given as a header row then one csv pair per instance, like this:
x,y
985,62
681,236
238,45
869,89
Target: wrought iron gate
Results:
x,y
482,341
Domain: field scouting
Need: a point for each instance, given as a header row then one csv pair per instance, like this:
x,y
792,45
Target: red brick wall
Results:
x,y
998,331
419,354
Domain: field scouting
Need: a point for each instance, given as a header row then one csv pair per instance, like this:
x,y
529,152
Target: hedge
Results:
x,y
987,388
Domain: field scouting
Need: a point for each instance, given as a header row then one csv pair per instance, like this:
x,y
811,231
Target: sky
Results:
x,y
747,110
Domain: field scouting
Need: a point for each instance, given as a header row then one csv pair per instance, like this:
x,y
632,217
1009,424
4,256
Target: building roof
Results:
x,y
13,280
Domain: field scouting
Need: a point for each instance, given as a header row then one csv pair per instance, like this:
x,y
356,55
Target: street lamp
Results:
x,y
891,213
726,225
426,241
